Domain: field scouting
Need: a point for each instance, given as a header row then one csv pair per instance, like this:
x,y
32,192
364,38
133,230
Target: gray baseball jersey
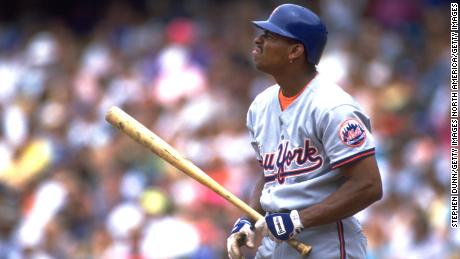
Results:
x,y
301,150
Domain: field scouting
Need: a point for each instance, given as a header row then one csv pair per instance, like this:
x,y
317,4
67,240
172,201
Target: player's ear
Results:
x,y
296,51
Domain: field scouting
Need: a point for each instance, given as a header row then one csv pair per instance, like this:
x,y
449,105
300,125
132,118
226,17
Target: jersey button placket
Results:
x,y
281,128
280,177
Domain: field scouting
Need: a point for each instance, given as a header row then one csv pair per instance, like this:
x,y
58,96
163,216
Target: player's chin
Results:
x,y
258,63
262,67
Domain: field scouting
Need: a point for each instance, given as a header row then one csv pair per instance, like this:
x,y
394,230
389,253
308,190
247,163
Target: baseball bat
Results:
x,y
138,132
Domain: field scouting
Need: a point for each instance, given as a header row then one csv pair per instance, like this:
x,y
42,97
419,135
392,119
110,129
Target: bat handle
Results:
x,y
302,248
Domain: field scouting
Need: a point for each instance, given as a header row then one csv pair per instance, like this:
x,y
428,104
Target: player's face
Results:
x,y
271,52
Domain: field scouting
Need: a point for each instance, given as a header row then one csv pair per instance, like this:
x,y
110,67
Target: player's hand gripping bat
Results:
x,y
150,140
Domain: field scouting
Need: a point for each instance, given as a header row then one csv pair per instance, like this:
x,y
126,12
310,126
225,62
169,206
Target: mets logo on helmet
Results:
x,y
352,133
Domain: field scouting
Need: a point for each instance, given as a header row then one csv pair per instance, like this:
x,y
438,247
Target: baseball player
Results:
x,y
314,144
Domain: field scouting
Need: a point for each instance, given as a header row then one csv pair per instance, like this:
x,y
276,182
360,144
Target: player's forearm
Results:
x,y
361,188
345,202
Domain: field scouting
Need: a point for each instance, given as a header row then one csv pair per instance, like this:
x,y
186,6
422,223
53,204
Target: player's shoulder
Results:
x,y
327,95
265,98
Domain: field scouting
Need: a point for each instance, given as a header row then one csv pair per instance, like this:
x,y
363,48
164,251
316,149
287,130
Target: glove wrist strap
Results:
x,y
295,217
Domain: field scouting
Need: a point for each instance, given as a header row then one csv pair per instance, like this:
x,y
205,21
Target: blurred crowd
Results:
x,y
71,186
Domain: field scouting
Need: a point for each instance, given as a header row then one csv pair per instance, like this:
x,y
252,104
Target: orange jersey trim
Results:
x,y
286,101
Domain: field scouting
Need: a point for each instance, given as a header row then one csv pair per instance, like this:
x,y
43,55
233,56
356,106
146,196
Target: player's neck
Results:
x,y
291,84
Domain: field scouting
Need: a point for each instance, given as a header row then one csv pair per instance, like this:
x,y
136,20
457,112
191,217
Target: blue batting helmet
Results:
x,y
299,23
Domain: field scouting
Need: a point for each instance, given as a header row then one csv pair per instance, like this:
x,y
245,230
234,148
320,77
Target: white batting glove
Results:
x,y
242,234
